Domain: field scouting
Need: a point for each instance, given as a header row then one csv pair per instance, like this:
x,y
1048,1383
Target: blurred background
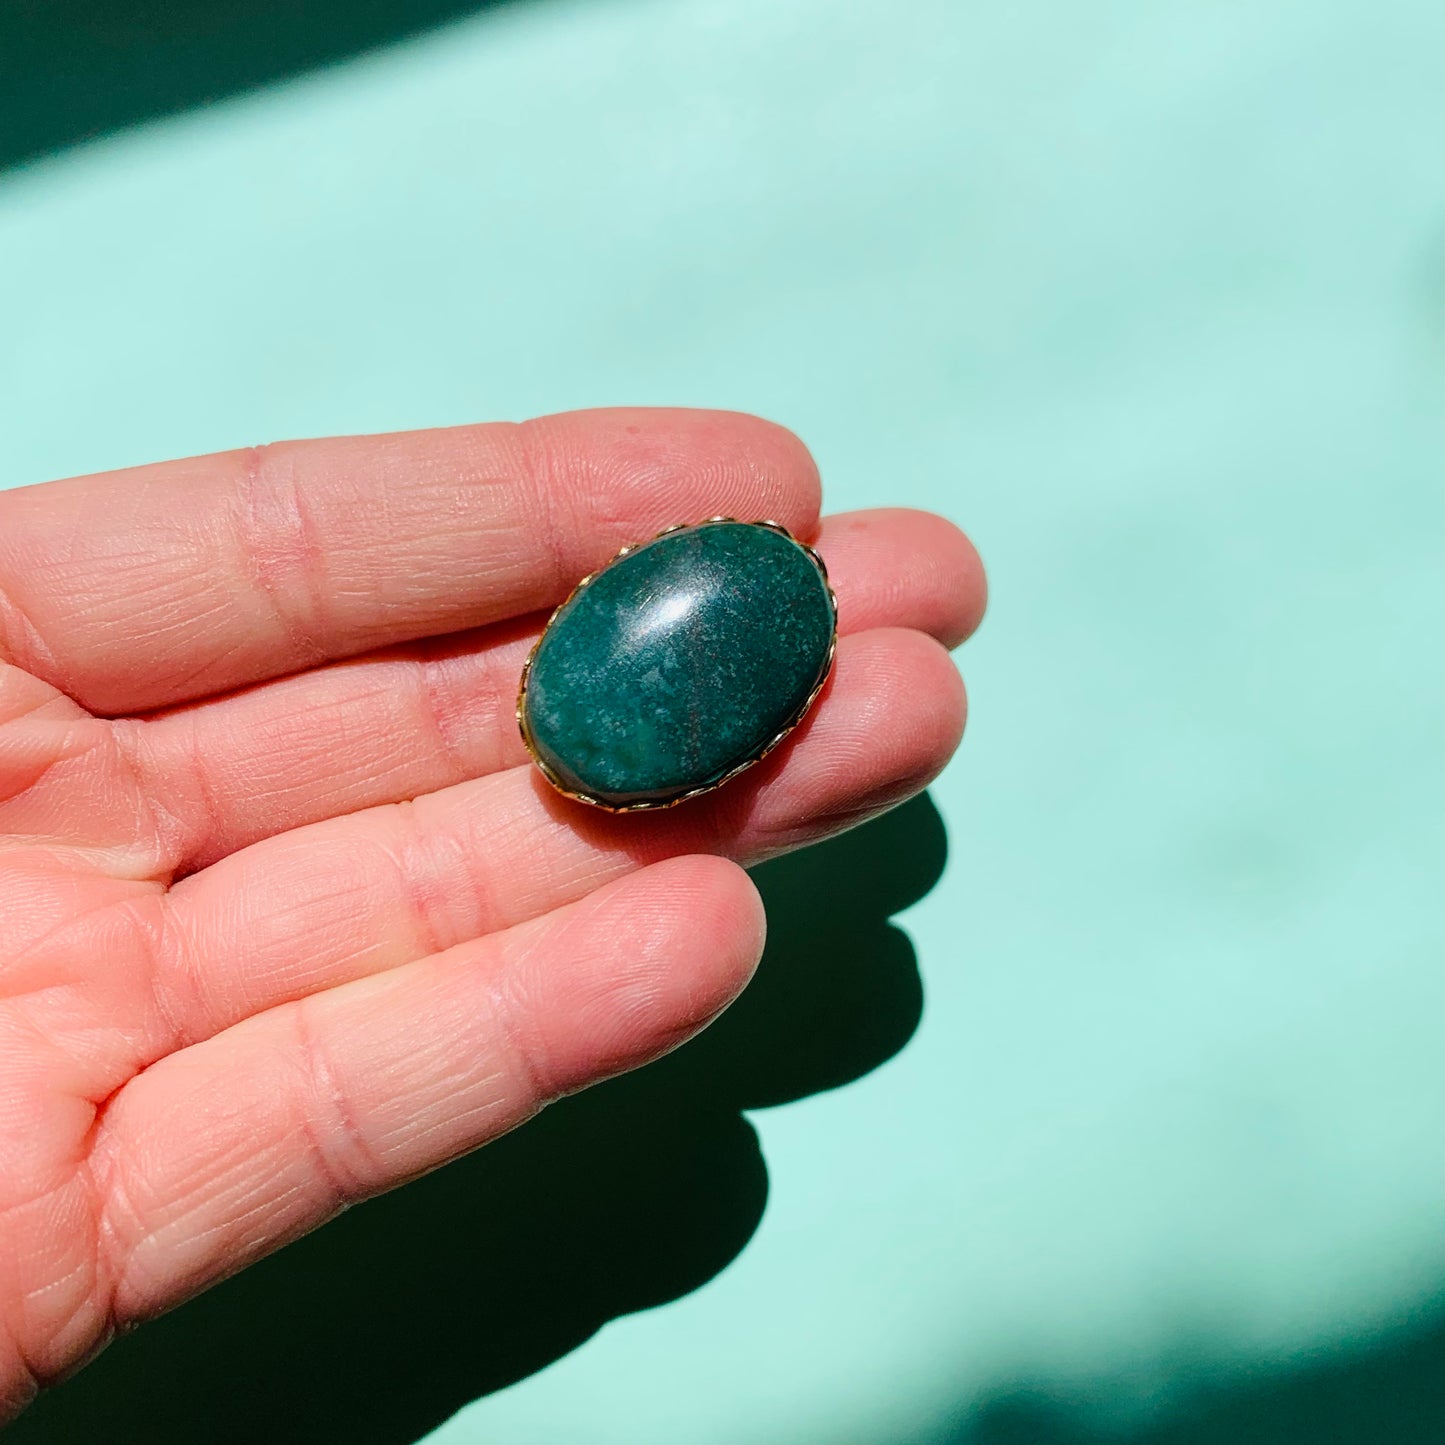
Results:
x,y
1127,1128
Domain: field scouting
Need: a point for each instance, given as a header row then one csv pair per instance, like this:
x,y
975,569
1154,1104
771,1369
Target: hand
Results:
x,y
286,916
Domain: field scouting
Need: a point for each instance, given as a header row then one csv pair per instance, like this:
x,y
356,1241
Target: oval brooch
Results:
x,y
682,662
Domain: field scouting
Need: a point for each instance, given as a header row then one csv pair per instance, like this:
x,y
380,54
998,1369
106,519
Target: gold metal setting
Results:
x,y
656,805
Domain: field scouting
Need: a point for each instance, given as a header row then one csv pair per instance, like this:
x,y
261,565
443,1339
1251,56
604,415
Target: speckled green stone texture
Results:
x,y
679,663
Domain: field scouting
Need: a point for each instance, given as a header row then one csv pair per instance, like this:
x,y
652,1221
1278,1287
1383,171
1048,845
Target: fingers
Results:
x,y
898,567
142,588
222,1152
311,909
63,780
415,719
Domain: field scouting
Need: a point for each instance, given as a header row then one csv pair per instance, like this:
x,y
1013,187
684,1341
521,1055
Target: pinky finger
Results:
x,y
228,1149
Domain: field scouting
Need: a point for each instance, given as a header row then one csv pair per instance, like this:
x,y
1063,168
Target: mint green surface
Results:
x,y
1151,297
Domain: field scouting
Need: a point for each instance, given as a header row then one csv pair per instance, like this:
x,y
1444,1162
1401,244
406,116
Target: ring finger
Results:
x,y
352,896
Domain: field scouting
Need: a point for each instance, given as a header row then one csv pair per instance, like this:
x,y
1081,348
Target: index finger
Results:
x,y
131,590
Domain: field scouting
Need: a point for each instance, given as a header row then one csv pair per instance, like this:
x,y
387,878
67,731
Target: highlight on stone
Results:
x,y
681,663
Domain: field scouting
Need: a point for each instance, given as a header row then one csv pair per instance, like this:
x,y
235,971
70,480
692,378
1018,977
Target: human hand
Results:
x,y
286,916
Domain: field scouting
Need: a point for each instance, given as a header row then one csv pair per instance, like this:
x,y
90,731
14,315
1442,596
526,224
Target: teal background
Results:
x,y
1151,298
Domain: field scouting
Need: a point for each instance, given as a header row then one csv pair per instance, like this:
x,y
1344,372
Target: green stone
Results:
x,y
679,663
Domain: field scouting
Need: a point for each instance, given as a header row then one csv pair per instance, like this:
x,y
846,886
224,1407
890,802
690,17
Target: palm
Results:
x,y
285,919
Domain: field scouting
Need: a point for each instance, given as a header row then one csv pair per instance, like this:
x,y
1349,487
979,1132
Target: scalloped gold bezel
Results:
x,y
656,805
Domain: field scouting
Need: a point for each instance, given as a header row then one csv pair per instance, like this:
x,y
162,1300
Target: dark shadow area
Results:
x,y
379,1326
71,70
1385,1389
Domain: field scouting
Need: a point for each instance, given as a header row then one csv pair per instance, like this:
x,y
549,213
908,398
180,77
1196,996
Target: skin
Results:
x,y
287,918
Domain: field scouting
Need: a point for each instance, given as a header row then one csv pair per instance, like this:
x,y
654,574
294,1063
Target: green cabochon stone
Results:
x,y
679,663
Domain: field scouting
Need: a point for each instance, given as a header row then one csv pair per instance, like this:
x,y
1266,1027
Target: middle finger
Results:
x,y
412,720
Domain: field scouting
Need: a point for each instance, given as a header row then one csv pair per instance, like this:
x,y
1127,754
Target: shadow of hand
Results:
x,y
381,1325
